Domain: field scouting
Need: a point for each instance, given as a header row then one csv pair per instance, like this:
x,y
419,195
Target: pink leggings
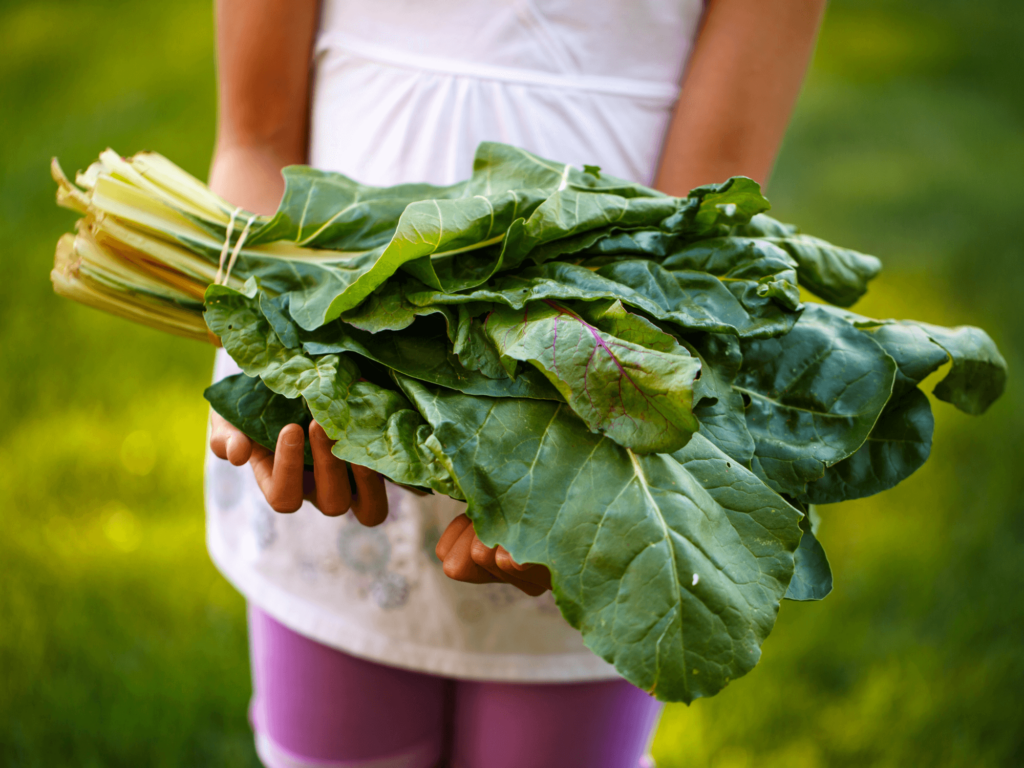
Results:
x,y
315,706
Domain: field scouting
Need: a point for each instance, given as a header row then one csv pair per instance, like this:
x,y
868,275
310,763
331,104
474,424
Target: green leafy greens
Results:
x,y
623,386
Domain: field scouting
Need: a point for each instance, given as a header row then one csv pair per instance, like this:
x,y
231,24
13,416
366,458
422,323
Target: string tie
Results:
x,y
238,247
226,246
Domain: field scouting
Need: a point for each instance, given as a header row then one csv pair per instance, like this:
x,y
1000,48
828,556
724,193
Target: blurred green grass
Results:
x,y
121,645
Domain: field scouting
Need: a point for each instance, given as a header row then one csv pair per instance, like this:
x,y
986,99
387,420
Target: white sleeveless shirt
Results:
x,y
403,91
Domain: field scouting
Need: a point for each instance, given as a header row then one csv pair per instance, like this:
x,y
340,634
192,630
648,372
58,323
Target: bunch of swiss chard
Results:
x,y
625,387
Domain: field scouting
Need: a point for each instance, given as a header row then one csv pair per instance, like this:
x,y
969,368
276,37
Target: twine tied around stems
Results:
x,y
222,274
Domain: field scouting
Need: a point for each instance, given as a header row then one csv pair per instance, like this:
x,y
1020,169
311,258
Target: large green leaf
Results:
x,y
916,355
814,396
638,242
472,346
387,309
838,275
640,397
977,374
901,440
499,168
246,333
897,446
753,270
387,434
812,574
722,285
374,427
614,319
462,270
435,230
720,407
672,566
691,300
711,210
426,354
574,211
322,209
707,211
429,228
539,225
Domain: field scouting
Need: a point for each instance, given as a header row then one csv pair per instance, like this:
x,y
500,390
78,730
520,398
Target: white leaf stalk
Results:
x,y
147,246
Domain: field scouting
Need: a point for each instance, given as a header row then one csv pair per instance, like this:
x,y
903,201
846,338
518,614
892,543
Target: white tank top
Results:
x,y
403,91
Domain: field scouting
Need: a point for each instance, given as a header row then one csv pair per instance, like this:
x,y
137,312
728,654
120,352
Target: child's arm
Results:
x,y
263,53
740,87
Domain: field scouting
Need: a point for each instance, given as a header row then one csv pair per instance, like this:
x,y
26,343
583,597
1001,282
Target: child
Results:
x,y
366,650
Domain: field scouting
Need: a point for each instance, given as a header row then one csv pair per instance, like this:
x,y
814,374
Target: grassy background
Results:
x,y
120,644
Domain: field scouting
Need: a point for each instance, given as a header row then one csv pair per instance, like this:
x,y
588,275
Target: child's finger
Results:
x,y
505,561
333,494
484,557
239,448
218,438
370,504
487,558
279,474
451,535
459,565
536,577
533,590
262,463
227,441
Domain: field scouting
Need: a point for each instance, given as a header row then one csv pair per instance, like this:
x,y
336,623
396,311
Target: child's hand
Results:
x,y
468,559
284,481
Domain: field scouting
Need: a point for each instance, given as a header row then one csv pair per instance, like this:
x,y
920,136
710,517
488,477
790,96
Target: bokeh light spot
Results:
x,y
138,453
121,527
